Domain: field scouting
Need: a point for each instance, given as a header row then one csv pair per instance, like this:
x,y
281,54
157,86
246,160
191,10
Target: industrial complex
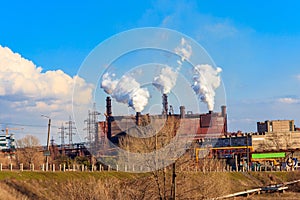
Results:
x,y
275,144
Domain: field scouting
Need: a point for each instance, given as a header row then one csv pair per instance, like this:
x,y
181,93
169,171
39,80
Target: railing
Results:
x,y
205,168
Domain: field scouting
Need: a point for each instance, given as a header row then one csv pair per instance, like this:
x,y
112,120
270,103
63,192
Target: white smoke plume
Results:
x,y
167,78
108,84
184,50
126,90
206,81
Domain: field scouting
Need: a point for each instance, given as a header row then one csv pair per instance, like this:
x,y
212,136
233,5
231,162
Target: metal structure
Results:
x,y
92,126
71,129
222,152
62,135
7,129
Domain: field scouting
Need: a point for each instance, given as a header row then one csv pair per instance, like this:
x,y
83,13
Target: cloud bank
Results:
x,y
28,88
289,100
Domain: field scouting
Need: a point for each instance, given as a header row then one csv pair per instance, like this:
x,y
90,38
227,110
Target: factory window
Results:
x,y
291,126
271,127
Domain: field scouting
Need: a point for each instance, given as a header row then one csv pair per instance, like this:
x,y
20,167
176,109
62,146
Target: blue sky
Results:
x,y
257,44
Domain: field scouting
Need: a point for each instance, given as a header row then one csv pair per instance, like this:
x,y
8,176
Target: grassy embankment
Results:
x,y
120,185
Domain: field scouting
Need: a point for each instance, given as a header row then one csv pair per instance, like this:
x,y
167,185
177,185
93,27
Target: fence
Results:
x,y
132,168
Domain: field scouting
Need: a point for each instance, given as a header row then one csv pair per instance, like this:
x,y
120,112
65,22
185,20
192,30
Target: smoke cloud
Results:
x,y
184,50
206,81
166,80
167,77
126,90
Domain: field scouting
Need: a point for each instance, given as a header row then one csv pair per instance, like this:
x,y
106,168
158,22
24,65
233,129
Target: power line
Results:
x,y
28,125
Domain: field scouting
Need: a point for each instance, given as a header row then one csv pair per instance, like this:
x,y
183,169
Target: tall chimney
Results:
x,y
165,104
224,111
182,111
138,118
108,106
108,116
224,115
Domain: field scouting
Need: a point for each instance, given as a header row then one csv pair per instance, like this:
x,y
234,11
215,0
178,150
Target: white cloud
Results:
x,y
289,100
243,120
298,77
27,88
222,29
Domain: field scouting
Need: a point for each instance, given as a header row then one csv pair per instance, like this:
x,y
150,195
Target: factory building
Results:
x,y
196,126
275,135
275,126
209,130
7,142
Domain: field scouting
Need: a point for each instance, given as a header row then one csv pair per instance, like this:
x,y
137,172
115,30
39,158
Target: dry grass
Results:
x,y
116,185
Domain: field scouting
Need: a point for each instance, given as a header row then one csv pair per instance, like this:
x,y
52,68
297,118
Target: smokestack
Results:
x,y
165,104
138,118
108,117
182,112
224,111
108,106
224,114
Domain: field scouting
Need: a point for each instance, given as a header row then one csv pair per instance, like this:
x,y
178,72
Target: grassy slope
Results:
x,y
117,185
25,175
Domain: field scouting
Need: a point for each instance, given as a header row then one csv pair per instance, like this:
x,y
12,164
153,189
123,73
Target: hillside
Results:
x,y
118,185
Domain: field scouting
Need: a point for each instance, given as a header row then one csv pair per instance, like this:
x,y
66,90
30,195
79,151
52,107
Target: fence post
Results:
x,y
32,167
21,167
11,166
64,167
117,168
0,166
53,167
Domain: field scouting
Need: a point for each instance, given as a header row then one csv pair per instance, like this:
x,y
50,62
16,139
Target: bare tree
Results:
x,y
277,140
29,151
164,146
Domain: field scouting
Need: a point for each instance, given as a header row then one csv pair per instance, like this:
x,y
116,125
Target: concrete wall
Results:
x,y
276,141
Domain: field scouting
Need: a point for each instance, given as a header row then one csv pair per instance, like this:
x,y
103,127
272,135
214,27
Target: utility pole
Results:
x,y
248,159
173,190
70,128
48,141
